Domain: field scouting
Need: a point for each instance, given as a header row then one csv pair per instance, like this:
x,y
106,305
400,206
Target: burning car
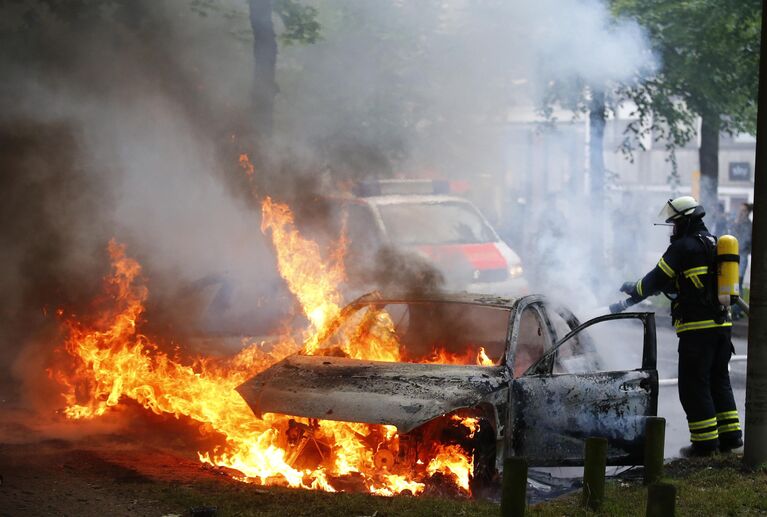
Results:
x,y
384,396
464,377
414,225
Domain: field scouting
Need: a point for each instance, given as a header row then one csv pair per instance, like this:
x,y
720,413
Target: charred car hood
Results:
x,y
401,394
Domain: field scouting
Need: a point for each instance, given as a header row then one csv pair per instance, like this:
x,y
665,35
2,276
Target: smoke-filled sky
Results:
x,y
431,82
127,119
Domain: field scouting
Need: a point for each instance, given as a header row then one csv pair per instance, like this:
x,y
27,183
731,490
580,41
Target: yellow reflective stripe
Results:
x,y
729,428
700,325
701,424
639,287
693,273
702,437
726,415
666,268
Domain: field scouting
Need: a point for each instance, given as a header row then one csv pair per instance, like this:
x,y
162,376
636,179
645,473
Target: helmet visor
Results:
x,y
680,207
668,212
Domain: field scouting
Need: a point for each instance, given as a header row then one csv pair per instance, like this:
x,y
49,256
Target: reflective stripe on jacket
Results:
x,y
688,270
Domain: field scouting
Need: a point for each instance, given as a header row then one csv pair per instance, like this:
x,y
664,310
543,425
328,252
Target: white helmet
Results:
x,y
680,207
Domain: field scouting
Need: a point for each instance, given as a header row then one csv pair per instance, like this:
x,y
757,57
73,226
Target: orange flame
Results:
x,y
453,461
471,423
113,361
247,165
301,265
483,359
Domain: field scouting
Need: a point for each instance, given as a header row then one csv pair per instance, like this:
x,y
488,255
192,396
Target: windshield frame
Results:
x,y
366,301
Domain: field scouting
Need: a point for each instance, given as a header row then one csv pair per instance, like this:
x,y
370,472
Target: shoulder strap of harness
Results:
x,y
711,299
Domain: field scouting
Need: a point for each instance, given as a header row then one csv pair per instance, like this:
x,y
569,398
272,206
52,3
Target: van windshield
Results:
x,y
435,223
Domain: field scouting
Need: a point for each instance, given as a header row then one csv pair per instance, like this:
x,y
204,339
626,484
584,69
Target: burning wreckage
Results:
x,y
483,375
387,396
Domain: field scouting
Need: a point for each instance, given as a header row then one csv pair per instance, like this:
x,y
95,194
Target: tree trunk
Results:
x,y
597,118
708,154
755,452
264,61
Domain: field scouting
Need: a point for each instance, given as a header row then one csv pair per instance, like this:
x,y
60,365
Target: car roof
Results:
x,y
399,199
463,297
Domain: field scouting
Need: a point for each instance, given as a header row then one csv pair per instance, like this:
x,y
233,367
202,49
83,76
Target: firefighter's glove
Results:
x,y
617,307
629,288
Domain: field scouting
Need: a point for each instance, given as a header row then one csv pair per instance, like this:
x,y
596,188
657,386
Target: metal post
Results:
x,y
661,500
514,492
755,451
594,473
655,436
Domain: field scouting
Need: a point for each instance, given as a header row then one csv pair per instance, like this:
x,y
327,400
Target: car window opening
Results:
x,y
531,341
422,332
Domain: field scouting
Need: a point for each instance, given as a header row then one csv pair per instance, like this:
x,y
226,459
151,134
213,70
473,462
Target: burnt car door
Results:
x,y
552,414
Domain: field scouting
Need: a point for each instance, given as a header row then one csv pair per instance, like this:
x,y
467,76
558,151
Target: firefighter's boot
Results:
x,y
697,451
730,445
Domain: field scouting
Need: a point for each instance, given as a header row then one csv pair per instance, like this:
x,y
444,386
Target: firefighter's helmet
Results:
x,y
678,208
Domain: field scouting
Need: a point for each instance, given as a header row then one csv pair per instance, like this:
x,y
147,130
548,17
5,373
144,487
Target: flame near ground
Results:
x,y
112,361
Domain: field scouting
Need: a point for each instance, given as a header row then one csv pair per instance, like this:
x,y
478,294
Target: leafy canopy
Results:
x,y
709,55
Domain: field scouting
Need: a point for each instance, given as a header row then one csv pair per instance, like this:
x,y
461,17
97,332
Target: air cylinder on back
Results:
x,y
727,275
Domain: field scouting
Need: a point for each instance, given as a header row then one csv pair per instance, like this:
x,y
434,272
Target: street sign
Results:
x,y
740,171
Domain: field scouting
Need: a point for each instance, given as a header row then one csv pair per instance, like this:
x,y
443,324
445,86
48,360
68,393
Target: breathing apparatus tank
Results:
x,y
727,275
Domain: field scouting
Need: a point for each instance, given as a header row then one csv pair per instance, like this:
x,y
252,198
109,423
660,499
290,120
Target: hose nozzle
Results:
x,y
620,306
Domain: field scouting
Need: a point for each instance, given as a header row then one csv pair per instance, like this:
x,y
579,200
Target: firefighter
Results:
x,y
687,273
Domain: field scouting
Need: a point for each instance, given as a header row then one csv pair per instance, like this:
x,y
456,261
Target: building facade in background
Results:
x,y
547,193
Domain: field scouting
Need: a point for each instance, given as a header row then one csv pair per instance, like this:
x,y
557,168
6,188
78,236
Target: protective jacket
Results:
x,y
687,272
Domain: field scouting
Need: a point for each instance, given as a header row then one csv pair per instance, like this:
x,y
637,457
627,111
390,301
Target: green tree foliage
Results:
x,y
709,50
299,20
709,55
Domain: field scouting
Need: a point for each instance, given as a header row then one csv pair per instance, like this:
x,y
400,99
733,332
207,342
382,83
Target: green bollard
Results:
x,y
594,473
654,443
661,500
514,492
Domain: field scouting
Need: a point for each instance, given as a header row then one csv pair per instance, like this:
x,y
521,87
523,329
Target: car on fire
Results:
x,y
523,372
416,225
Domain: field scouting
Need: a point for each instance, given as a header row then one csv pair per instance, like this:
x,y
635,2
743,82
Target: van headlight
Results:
x,y
515,271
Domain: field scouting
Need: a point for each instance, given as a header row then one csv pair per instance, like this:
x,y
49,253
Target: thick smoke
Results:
x,y
127,121
438,89
432,83
113,126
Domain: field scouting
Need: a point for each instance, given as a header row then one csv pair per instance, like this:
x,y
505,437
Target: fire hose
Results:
x,y
620,306
743,305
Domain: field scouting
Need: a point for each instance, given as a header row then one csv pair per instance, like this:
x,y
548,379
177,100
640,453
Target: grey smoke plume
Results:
x,y
130,125
432,83
436,87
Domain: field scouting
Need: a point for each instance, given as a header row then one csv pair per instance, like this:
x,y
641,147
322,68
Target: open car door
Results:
x,y
552,414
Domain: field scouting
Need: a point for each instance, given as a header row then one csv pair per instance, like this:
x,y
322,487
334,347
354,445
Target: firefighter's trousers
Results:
x,y
704,387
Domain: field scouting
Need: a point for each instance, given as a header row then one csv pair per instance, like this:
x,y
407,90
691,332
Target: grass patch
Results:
x,y
719,486
247,500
